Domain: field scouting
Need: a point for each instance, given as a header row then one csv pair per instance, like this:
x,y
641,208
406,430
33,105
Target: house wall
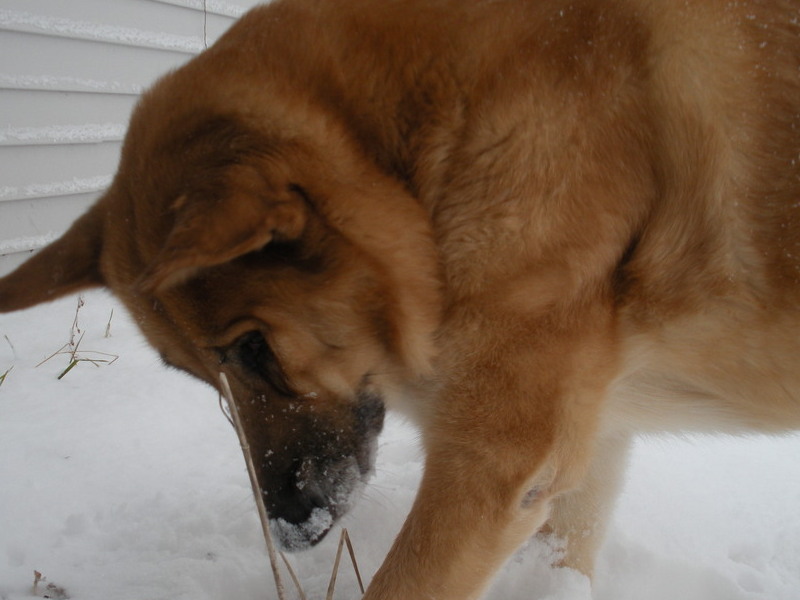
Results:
x,y
70,74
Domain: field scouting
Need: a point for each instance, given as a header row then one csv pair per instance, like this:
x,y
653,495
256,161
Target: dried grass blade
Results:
x,y
56,353
4,375
13,350
108,325
344,539
332,584
75,347
75,328
251,471
37,577
352,553
295,580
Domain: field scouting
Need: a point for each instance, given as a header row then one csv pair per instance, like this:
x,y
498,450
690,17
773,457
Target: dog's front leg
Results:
x,y
579,517
513,428
459,532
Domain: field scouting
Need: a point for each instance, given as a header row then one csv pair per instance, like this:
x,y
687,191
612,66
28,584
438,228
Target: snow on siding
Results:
x,y
70,74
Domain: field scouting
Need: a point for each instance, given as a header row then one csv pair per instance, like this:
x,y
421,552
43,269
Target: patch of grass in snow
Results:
x,y
73,350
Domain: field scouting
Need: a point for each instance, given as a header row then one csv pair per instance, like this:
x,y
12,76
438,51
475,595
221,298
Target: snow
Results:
x,y
125,481
295,536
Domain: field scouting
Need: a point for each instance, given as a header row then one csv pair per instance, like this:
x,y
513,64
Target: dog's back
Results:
x,y
711,290
673,128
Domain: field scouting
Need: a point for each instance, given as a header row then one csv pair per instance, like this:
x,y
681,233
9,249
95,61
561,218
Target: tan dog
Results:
x,y
536,226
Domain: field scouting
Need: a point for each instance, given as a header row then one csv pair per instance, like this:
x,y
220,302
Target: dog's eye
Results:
x,y
253,353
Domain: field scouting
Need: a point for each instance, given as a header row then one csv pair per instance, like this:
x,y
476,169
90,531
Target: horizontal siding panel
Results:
x,y
216,7
46,108
70,74
53,189
127,19
12,260
38,167
215,26
67,83
81,60
28,224
86,133
20,21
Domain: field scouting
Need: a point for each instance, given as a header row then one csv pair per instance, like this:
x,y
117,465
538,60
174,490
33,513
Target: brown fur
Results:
x,y
538,227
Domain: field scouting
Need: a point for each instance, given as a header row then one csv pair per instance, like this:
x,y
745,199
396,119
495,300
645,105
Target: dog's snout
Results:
x,y
315,459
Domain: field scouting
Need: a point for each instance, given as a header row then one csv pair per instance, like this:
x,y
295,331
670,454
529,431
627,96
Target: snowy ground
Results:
x,y
125,482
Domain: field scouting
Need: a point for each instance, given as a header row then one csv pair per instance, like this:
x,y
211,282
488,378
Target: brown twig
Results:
x,y
352,553
107,333
75,329
56,353
251,471
295,580
344,539
77,345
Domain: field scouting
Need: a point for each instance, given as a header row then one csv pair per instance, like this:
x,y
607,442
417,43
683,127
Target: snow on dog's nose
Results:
x,y
320,494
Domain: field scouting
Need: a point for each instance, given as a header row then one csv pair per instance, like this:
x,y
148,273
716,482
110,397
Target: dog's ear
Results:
x,y
247,213
69,264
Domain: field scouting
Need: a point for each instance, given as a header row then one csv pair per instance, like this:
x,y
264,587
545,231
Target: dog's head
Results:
x,y
277,255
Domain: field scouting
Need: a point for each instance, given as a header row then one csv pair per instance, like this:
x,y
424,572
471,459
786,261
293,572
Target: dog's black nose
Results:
x,y
302,493
316,494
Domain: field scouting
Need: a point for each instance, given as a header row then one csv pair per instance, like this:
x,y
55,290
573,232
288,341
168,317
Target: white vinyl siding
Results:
x,y
70,74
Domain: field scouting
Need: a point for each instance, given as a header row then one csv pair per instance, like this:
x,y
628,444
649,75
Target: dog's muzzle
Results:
x,y
324,479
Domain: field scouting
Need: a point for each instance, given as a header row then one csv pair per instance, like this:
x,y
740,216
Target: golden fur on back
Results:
x,y
536,226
